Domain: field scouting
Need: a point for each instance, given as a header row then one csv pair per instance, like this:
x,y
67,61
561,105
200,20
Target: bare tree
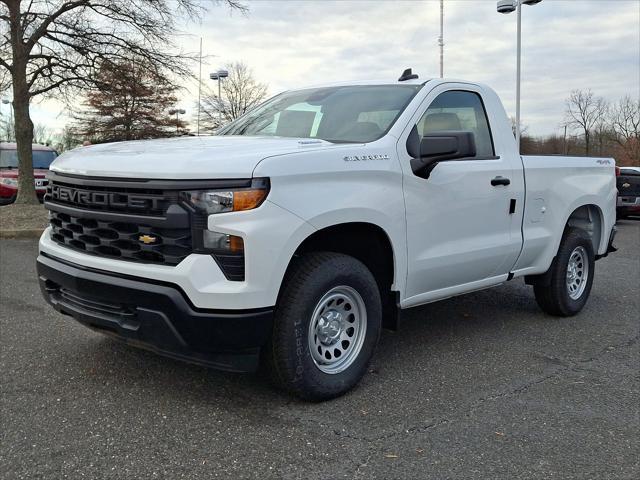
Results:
x,y
625,123
524,129
56,46
602,134
240,92
584,112
66,139
41,134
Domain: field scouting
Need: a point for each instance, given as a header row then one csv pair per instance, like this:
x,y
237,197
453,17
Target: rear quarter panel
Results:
x,y
555,188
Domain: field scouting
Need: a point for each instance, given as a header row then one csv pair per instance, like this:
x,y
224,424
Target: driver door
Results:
x,y
459,226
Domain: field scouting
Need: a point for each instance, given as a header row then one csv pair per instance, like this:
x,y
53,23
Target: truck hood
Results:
x,y
180,158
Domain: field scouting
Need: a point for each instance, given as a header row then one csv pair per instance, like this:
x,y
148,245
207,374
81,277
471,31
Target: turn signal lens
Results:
x,y
221,242
248,199
236,244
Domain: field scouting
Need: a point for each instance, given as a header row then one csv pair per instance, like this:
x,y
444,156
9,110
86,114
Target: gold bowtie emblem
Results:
x,y
147,239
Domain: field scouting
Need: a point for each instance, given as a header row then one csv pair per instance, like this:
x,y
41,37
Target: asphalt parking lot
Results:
x,y
480,386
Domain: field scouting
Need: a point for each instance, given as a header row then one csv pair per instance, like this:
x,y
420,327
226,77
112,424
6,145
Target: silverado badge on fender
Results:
x,y
364,158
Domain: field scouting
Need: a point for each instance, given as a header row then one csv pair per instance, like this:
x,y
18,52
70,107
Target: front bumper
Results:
x,y
270,233
628,206
155,315
628,201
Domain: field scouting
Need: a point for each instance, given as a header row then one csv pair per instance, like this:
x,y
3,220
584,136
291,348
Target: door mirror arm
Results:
x,y
436,147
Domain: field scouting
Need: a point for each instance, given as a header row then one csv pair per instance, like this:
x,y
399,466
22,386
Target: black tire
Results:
x,y
554,298
288,355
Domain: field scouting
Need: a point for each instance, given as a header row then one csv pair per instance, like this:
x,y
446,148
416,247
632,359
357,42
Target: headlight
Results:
x,y
227,250
9,181
233,200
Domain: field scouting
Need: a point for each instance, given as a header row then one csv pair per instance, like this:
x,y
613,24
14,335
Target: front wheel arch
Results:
x,y
366,242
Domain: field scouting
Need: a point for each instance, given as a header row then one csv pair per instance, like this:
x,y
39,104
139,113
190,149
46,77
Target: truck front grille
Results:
x,y
136,220
121,240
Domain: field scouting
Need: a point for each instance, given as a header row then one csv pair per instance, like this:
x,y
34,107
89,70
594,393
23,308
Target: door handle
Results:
x,y
500,181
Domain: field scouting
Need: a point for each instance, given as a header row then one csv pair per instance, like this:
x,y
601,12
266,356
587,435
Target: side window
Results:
x,y
459,110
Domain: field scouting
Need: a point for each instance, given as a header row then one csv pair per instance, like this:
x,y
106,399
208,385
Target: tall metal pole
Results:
x,y
519,46
441,39
199,87
220,100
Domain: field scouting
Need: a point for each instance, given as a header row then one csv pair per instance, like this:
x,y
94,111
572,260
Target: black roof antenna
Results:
x,y
407,75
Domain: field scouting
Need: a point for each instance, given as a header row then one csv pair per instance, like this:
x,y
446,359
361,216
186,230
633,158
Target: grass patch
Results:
x,y
23,217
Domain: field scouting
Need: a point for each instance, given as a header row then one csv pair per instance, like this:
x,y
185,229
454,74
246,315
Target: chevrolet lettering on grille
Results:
x,y
105,199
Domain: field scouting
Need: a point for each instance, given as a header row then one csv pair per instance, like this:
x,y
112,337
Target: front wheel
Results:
x,y
327,325
571,276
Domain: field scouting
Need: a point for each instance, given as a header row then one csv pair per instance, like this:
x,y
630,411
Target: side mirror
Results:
x,y
438,147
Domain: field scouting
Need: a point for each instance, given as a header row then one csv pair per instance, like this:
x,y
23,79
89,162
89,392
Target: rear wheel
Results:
x,y
327,325
571,276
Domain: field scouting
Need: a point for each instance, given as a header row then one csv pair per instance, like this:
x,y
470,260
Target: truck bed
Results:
x,y
555,187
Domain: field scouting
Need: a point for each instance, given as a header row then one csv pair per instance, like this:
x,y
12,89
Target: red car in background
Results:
x,y
42,158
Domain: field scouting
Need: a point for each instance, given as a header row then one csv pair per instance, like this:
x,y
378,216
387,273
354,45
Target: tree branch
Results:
x,y
6,65
42,28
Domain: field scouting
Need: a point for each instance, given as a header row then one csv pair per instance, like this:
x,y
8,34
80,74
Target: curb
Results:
x,y
23,233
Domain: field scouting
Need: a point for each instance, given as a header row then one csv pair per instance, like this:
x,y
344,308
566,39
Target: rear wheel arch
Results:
x,y
589,218
570,277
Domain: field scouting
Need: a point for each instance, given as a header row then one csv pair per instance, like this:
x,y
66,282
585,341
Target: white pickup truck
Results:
x,y
304,227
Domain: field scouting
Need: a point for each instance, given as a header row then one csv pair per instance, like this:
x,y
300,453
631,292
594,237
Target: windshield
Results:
x,y
41,158
348,114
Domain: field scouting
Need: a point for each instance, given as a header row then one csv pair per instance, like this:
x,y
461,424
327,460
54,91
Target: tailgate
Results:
x,y
628,185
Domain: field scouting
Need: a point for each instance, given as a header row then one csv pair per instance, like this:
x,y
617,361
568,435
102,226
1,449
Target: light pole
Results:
x,y
219,75
11,122
176,112
441,39
508,6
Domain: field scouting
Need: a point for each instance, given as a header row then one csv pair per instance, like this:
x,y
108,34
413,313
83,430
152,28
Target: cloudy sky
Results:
x,y
567,44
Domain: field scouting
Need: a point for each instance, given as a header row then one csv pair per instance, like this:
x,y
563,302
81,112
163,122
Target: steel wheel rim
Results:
x,y
577,273
337,329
